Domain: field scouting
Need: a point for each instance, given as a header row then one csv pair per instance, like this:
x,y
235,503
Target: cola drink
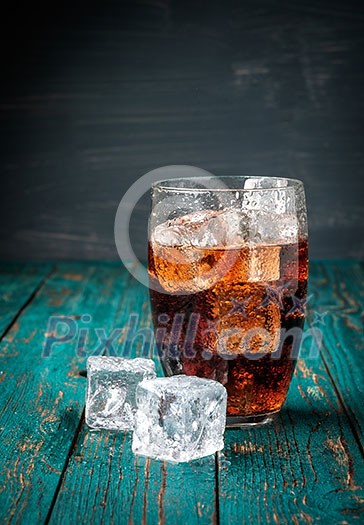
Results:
x,y
229,305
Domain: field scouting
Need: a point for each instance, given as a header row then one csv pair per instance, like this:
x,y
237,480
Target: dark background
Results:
x,y
93,97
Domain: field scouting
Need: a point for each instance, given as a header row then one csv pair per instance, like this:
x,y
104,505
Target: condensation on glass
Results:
x,y
228,265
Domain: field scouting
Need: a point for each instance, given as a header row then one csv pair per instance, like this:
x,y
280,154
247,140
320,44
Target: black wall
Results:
x,y
94,97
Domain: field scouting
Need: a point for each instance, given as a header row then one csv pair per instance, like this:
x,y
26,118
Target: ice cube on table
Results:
x,y
179,418
111,386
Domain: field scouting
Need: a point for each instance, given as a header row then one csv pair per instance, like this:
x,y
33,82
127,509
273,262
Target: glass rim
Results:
x,y
163,184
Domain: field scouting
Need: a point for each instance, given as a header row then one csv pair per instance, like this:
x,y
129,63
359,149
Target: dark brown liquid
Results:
x,y
228,326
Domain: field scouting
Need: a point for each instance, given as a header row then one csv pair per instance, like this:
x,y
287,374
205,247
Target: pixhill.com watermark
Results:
x,y
88,339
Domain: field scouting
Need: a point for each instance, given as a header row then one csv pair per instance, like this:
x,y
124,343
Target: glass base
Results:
x,y
250,421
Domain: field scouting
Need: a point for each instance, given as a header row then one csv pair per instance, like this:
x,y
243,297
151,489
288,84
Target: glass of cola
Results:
x,y
228,267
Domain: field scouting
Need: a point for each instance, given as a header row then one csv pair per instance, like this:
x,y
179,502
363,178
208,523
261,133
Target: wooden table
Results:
x,y
307,467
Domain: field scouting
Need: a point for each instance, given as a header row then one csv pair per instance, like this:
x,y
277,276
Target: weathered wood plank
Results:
x,y
304,468
107,483
340,289
175,494
42,398
18,281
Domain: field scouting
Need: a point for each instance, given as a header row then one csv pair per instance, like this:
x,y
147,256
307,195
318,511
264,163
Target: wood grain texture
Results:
x,y
95,96
42,398
307,467
18,283
304,468
107,483
339,290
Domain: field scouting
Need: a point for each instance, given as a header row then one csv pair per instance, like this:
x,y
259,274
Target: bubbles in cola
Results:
x,y
229,285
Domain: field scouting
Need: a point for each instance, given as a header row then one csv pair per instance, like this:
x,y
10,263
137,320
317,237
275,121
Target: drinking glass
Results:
x,y
228,266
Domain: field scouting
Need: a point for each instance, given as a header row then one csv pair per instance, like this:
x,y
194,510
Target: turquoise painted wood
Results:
x,y
307,467
41,398
304,468
339,291
18,282
133,489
